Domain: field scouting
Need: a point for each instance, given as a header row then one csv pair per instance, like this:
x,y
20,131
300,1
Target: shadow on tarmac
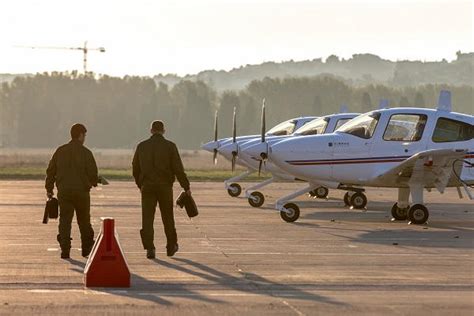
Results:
x,y
149,290
144,290
247,282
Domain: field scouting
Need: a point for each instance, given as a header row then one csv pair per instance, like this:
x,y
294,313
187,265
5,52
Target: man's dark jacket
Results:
x,y
157,162
73,168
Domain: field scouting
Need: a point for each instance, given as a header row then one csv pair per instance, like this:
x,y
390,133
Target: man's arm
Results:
x,y
178,168
51,175
136,168
91,169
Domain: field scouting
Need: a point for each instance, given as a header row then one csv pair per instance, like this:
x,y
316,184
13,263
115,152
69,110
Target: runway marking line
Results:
x,y
298,312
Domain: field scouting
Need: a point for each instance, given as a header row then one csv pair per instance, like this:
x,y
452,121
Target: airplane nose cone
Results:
x,y
255,151
210,146
227,149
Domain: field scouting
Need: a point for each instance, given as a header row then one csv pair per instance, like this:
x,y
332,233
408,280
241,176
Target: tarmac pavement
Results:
x,y
235,259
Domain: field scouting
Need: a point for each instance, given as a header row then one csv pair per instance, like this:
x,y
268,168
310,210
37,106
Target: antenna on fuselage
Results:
x,y
444,101
383,104
344,108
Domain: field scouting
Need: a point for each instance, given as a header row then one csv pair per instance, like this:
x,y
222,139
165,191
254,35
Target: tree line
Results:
x,y
37,111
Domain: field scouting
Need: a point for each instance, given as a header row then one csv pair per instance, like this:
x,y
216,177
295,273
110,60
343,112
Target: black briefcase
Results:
x,y
187,201
51,210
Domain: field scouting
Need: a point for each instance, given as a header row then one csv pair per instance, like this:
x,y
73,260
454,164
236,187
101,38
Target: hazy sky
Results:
x,y
151,37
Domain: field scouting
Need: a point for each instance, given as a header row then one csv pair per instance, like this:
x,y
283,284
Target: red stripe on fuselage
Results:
x,y
336,162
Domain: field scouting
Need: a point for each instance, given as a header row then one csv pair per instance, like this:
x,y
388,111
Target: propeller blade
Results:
x,y
260,167
263,121
233,162
215,128
215,157
234,128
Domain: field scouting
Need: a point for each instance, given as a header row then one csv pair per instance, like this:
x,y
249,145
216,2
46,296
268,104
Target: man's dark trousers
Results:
x,y
163,196
68,202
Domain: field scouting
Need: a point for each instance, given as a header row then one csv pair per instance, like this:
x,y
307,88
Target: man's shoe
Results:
x,y
65,254
86,251
150,253
170,251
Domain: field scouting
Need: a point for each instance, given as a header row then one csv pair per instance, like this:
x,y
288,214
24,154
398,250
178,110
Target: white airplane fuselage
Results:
x,y
357,158
250,150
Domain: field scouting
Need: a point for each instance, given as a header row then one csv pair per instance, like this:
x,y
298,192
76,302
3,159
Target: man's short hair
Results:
x,y
158,126
77,129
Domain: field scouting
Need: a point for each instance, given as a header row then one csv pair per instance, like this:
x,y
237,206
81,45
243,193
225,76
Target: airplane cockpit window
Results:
x,y
285,128
317,126
362,126
405,127
341,122
448,130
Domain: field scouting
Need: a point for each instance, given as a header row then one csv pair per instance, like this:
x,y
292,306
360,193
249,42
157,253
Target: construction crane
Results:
x,y
84,50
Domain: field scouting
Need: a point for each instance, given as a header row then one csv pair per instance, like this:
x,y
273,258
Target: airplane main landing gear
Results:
x,y
399,213
290,213
256,199
418,214
347,199
319,192
234,190
354,197
358,200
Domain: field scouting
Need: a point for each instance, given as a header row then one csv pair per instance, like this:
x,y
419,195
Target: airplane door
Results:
x,y
402,136
352,149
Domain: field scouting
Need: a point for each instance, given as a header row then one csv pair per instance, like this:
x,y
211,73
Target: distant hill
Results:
x,y
361,69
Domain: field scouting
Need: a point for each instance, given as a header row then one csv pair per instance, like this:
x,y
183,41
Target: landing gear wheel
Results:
x,y
256,199
358,200
292,215
347,199
319,192
400,214
418,214
234,190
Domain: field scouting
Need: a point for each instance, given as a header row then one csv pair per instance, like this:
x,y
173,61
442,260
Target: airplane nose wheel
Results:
x,y
358,200
292,212
319,192
234,190
256,199
400,214
418,214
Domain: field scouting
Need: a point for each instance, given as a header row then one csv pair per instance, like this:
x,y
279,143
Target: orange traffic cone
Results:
x,y
106,266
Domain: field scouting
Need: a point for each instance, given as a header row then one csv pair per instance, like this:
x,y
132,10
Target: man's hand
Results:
x,y
49,194
188,192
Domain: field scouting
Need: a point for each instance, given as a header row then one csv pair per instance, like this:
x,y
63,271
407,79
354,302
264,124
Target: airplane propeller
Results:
x,y
263,155
235,151
215,139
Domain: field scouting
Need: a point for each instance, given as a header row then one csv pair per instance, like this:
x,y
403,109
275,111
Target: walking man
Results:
x,y
74,170
156,164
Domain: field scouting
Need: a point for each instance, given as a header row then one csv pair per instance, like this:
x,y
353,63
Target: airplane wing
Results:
x,y
430,168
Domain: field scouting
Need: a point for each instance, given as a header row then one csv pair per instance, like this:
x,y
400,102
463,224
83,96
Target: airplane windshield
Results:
x,y
362,126
317,126
285,128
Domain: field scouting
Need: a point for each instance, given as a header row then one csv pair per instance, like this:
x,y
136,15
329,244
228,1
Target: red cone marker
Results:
x,y
106,266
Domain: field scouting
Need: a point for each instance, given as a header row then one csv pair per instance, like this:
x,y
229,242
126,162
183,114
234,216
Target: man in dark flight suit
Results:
x,y
74,170
156,164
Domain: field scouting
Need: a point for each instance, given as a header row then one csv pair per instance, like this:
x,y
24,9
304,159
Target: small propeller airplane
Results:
x,y
229,147
257,150
325,124
410,149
